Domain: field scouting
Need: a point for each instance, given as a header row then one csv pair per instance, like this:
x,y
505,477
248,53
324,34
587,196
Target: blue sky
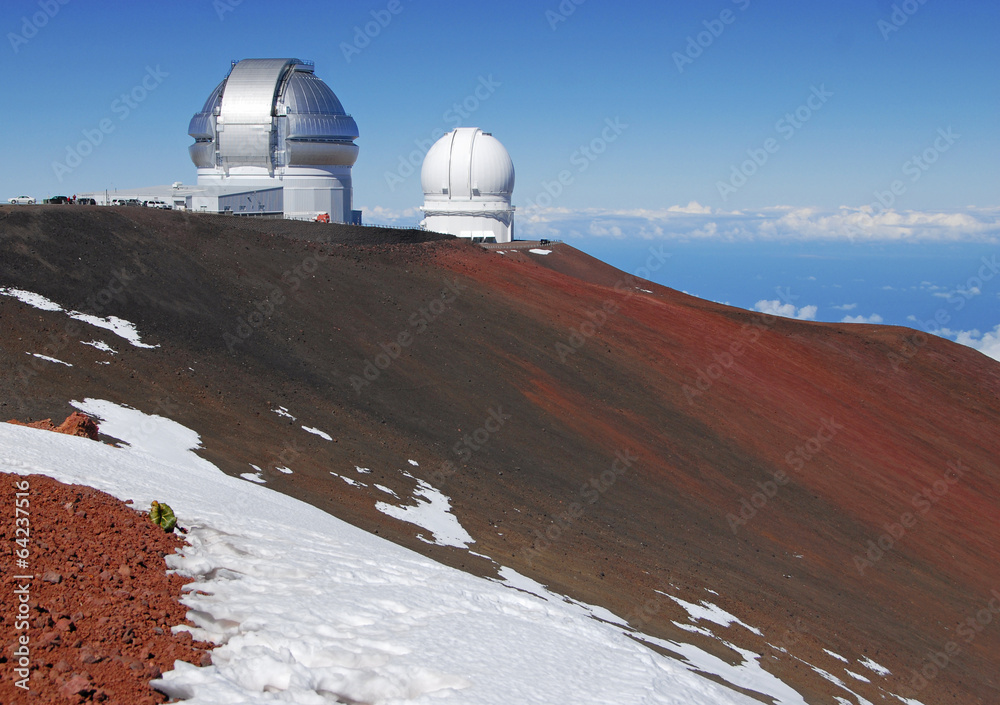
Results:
x,y
862,124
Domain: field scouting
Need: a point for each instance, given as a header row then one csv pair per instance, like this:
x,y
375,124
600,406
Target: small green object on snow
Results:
x,y
162,515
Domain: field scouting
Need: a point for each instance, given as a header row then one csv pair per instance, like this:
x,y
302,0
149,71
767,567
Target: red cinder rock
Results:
x,y
76,684
76,424
81,620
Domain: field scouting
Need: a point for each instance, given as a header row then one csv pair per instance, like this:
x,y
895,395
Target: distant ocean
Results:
x,y
925,286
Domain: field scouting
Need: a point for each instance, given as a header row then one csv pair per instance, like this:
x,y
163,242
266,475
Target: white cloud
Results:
x,y
846,307
695,221
987,343
389,216
601,229
692,207
776,308
967,293
874,318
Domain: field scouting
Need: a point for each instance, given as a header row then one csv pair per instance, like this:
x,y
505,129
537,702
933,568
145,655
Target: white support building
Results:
x,y
468,178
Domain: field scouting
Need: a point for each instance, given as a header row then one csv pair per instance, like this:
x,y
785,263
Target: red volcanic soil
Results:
x,y
101,605
836,485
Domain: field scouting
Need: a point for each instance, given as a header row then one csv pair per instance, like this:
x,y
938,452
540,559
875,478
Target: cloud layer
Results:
x,y
695,221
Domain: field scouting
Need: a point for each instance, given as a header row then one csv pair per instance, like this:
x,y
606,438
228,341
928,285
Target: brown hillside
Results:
x,y
839,430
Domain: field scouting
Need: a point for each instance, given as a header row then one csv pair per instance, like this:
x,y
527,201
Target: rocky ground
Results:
x,y
101,602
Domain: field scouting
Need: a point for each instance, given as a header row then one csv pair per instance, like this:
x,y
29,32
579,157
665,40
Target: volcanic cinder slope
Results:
x,y
836,485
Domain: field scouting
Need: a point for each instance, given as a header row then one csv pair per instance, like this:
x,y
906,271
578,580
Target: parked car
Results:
x,y
132,202
157,204
86,202
22,200
54,200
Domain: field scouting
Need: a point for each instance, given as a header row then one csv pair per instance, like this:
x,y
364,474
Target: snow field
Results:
x,y
308,609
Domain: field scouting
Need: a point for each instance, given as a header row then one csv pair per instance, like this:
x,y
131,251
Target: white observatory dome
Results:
x,y
273,124
468,179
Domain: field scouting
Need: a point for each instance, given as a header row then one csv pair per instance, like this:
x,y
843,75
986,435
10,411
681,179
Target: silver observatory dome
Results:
x,y
273,138
272,113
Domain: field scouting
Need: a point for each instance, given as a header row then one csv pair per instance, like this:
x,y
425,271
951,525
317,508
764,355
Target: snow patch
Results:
x,y
413,463
118,326
874,667
287,471
836,656
536,251
349,480
256,476
710,613
49,359
432,511
282,411
100,345
321,434
30,298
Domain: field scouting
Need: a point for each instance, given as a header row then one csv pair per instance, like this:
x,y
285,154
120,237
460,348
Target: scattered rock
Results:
x,y
74,686
76,424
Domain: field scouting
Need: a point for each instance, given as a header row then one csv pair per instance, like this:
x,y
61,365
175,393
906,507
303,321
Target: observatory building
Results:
x,y
273,138
468,179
